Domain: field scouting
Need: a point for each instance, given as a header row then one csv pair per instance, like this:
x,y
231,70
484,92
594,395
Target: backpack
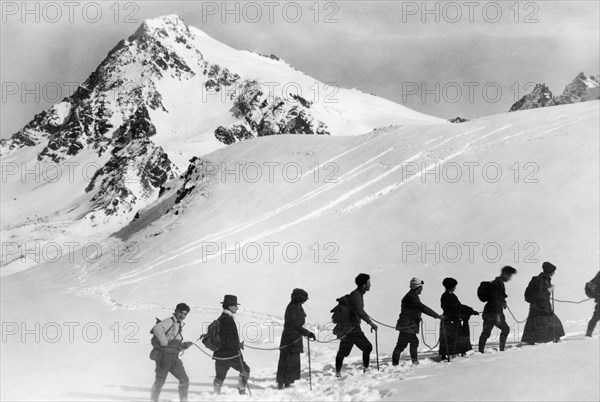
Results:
x,y
591,289
154,341
212,338
341,317
484,291
532,290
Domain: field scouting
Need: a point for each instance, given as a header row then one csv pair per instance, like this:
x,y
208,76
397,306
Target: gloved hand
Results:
x,y
373,326
475,312
241,345
312,336
186,345
441,317
504,305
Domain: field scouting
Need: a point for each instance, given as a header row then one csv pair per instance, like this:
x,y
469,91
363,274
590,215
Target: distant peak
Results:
x,y
165,20
162,27
589,82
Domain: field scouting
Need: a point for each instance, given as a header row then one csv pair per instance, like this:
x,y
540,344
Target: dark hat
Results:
x,y
229,300
509,270
449,283
182,307
299,296
548,268
361,279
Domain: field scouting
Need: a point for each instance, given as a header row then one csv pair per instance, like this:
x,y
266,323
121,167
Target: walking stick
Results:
x,y
246,385
377,350
309,368
553,320
445,340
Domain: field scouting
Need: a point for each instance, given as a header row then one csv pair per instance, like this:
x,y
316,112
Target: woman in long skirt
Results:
x,y
455,336
288,369
542,324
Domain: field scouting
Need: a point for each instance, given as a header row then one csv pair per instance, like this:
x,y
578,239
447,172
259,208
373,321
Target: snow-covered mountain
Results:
x,y
157,210
166,94
357,204
581,89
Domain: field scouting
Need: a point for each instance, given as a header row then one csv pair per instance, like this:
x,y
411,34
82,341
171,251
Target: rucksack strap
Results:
x,y
173,324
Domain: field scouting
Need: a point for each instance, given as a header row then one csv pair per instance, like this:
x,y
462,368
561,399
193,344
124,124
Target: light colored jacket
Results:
x,y
166,335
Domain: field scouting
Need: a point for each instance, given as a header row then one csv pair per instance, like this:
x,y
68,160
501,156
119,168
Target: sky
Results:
x,y
445,59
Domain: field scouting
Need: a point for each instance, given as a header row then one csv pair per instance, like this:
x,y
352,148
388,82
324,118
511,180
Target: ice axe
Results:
x,y
246,378
443,330
309,368
553,319
376,348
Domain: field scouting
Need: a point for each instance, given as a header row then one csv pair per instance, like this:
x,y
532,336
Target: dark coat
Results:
x,y
542,324
356,304
596,280
291,338
454,311
455,336
410,315
230,340
497,299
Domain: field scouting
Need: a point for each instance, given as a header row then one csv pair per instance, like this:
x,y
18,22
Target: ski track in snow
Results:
x,y
137,275
194,245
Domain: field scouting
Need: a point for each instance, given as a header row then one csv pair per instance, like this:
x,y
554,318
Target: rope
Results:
x,y
515,318
216,358
270,349
380,323
572,302
397,329
335,340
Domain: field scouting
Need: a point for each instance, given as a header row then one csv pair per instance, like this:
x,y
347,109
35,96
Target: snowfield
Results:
x,y
427,200
177,86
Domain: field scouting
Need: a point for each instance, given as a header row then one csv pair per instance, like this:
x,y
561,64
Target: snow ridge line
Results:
x,y
347,176
311,215
176,253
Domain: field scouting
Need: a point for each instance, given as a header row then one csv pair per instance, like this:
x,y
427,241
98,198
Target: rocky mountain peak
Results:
x,y
581,89
539,97
164,27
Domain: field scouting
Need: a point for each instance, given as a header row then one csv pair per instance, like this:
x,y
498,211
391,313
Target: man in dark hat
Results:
x,y
356,337
542,324
409,320
168,342
493,314
229,355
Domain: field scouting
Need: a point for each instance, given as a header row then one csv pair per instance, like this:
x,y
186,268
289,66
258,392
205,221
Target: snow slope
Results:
x,y
156,101
365,209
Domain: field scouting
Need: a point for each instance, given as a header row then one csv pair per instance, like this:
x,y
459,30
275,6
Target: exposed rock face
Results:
x,y
458,120
47,122
110,112
581,89
218,78
235,133
194,184
133,173
539,97
261,115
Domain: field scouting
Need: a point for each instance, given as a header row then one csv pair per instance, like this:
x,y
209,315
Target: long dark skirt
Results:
x,y
457,338
288,369
541,328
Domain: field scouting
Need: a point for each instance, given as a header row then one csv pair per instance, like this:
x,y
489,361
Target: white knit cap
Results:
x,y
415,283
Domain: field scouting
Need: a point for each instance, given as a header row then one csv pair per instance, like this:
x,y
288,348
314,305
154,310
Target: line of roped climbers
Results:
x,y
542,325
